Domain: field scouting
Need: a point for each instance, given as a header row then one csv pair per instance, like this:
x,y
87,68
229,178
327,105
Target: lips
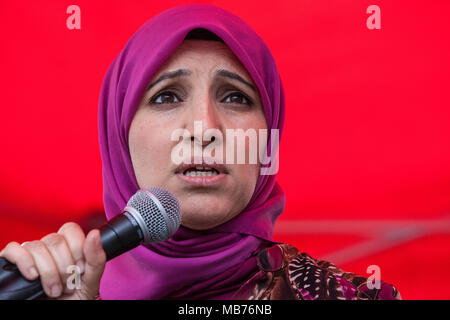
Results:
x,y
202,169
202,174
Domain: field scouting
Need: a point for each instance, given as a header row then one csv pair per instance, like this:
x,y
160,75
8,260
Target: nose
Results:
x,y
202,116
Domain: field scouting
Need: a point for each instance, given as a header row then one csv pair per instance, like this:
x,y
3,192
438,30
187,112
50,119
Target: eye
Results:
x,y
165,97
239,98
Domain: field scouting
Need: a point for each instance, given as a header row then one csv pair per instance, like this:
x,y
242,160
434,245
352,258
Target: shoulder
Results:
x,y
308,278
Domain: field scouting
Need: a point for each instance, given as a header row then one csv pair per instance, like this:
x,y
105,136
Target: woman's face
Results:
x,y
218,102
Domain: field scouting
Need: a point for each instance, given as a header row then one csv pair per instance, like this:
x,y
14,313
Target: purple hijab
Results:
x,y
209,264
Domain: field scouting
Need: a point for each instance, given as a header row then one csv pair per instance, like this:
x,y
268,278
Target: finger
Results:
x,y
19,256
75,238
95,262
46,266
57,246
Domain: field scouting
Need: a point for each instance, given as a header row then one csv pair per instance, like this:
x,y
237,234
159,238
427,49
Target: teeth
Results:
x,y
203,168
191,173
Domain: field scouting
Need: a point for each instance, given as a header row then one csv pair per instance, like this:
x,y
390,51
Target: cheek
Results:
x,y
246,175
149,150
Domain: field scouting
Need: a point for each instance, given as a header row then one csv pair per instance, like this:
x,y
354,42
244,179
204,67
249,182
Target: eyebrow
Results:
x,y
232,75
184,73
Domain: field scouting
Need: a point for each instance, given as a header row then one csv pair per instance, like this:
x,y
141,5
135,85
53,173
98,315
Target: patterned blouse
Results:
x,y
287,274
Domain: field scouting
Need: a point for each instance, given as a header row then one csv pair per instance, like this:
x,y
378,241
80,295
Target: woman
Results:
x,y
190,65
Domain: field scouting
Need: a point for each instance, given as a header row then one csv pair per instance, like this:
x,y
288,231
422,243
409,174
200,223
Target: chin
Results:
x,y
201,213
200,222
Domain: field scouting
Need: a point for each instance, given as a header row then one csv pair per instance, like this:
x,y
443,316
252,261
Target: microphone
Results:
x,y
151,215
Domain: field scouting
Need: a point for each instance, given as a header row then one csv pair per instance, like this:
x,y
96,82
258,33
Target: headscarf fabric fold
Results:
x,y
207,264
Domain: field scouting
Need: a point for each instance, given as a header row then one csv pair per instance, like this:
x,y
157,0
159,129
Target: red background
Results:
x,y
366,148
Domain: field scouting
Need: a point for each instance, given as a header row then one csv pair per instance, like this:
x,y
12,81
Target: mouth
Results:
x,y
200,171
202,174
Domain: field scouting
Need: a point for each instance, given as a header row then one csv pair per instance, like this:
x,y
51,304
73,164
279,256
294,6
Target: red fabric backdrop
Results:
x,y
364,162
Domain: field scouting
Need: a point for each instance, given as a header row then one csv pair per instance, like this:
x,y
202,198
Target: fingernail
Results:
x,y
33,272
56,290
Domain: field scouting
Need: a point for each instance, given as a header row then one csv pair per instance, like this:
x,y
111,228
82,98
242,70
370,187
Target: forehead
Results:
x,y
203,54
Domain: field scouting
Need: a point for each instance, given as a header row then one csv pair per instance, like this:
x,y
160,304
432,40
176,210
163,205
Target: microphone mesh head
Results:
x,y
160,212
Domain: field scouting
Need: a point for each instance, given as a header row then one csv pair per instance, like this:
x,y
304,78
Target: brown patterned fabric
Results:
x,y
287,274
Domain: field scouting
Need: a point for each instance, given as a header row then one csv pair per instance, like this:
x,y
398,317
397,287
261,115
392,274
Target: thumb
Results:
x,y
95,260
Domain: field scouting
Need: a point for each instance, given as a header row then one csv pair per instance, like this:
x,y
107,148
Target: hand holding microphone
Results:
x,y
151,215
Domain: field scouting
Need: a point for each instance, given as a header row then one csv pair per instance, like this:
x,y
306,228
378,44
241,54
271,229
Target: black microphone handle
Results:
x,y
120,234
